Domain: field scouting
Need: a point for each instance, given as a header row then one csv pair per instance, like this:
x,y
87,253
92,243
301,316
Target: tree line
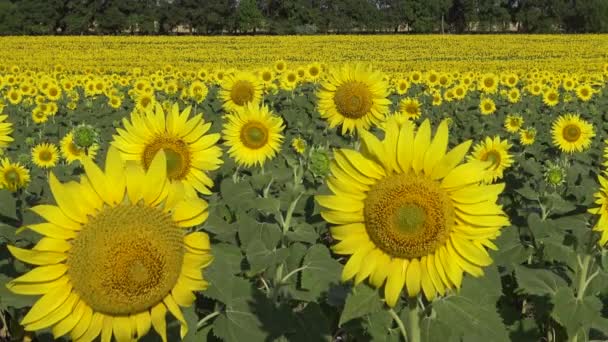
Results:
x,y
205,17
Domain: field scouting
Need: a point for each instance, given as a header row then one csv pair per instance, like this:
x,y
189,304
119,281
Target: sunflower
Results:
x,y
571,133
495,151
6,128
289,80
513,123
514,95
488,83
266,76
355,97
239,89
70,152
584,92
409,214
487,106
280,66
253,135
402,86
551,97
115,254
13,176
601,199
313,71
527,136
45,155
410,107
190,152
299,145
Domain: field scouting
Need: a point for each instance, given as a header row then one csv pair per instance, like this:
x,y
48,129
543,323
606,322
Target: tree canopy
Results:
x,y
300,16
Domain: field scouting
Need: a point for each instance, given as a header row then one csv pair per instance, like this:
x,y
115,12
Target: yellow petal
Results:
x,y
188,209
405,150
339,203
195,220
469,173
83,324
33,257
438,263
395,281
437,148
53,231
48,244
452,270
462,262
425,280
366,166
381,272
369,264
121,325
481,208
421,144
42,274
412,279
70,321
182,295
450,160
47,303
373,148
56,315
352,170
344,231
158,320
476,194
54,215
66,201
115,172
94,327
353,265
106,328
135,181
177,313
434,275
352,244
391,142
198,240
482,220
157,174
36,288
98,180
471,252
144,323
338,217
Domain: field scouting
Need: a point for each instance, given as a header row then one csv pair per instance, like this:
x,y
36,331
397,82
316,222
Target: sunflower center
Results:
x,y
571,133
242,92
254,135
353,99
411,108
176,153
492,156
126,259
314,71
408,216
11,176
45,155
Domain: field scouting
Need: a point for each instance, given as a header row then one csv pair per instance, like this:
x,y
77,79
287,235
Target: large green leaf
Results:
x,y
361,301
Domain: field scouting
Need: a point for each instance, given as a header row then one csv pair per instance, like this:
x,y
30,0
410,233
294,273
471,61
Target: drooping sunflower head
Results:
x,y
495,151
409,214
571,133
513,123
13,176
115,254
70,152
240,89
6,128
190,151
355,97
45,155
253,135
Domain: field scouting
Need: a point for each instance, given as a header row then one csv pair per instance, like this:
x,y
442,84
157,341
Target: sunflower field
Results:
x,y
304,197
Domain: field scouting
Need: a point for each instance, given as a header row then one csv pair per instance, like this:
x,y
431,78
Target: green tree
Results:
x,y
249,16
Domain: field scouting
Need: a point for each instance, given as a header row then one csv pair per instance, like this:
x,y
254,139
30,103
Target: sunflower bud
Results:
x,y
319,162
85,136
555,173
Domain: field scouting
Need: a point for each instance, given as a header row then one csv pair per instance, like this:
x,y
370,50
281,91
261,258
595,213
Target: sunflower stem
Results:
x,y
582,280
290,210
399,323
202,322
413,321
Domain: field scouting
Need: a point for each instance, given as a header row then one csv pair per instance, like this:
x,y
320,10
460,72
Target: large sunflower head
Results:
x,y
45,155
571,133
115,254
253,135
409,214
495,151
13,176
354,97
6,128
240,89
190,152
601,199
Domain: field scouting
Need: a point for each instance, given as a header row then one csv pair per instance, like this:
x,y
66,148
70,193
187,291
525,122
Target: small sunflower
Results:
x,y
45,155
70,152
495,151
13,176
487,106
402,86
513,123
551,97
299,145
488,83
527,136
115,256
190,152
571,133
410,108
408,214
584,92
354,97
253,135
313,72
514,95
240,89
6,128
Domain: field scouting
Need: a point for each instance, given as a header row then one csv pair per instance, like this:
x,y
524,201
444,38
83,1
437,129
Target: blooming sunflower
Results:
x,y
239,89
584,92
571,133
495,151
355,97
487,106
115,256
190,152
299,145
513,123
601,198
45,155
13,176
551,97
253,135
70,152
6,128
527,136
410,107
409,214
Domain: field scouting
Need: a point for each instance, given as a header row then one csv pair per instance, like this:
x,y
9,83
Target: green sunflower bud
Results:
x,y
555,173
85,136
319,162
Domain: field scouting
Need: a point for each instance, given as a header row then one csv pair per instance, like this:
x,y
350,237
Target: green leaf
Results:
x,y
260,257
510,250
251,230
268,205
8,208
226,257
237,325
303,232
361,301
574,314
528,193
311,325
538,282
322,270
10,299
